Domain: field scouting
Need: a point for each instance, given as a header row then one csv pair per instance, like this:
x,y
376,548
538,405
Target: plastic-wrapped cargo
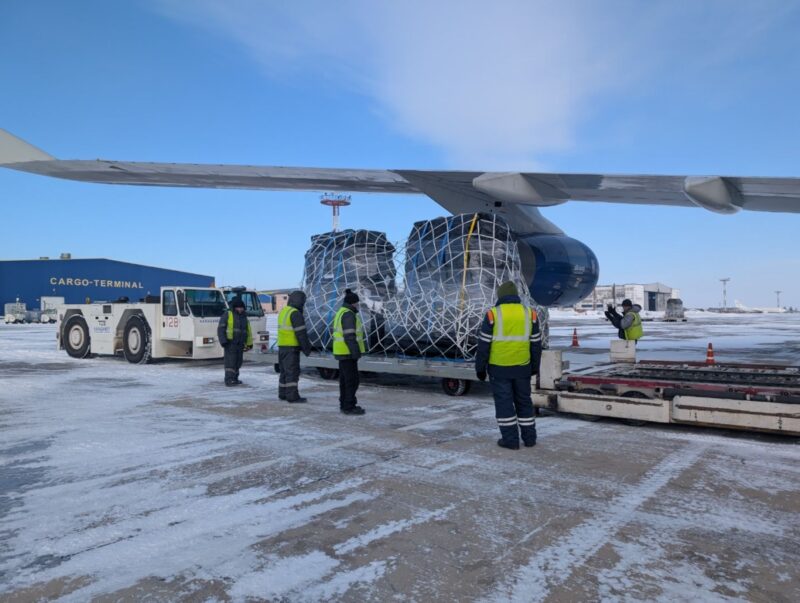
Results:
x,y
361,260
452,269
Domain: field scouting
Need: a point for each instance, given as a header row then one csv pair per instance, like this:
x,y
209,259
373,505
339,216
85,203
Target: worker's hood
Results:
x,y
636,308
297,299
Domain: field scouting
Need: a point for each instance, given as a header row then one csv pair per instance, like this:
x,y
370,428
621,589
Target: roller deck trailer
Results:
x,y
736,396
456,375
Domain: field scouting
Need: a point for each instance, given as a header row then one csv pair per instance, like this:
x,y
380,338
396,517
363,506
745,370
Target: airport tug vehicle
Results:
x,y
752,397
181,322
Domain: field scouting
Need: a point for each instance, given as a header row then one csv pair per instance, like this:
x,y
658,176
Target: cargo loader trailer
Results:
x,y
456,375
734,396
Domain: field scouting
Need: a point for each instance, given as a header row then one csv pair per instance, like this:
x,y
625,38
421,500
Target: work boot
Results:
x,y
353,410
529,436
230,383
502,443
281,397
237,382
298,400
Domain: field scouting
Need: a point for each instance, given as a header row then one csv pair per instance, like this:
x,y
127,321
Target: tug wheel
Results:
x,y
75,335
136,344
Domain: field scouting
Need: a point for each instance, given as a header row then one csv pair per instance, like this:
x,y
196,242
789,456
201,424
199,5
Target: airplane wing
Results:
x,y
517,195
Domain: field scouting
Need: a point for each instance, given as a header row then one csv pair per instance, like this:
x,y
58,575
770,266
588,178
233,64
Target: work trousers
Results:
x,y
514,409
348,382
234,355
289,378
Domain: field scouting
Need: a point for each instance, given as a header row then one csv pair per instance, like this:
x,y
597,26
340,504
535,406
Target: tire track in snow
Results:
x,y
554,564
252,467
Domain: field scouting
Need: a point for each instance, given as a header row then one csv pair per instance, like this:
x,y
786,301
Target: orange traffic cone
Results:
x,y
575,343
710,355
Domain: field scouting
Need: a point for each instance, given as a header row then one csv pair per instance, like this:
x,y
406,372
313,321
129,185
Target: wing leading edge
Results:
x,y
518,195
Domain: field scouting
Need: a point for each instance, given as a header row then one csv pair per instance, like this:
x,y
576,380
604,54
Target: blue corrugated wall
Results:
x,y
96,279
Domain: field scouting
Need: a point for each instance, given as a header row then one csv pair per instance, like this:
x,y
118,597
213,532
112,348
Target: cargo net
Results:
x,y
424,297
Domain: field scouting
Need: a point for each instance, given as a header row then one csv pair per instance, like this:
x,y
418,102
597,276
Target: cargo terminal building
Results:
x,y
79,280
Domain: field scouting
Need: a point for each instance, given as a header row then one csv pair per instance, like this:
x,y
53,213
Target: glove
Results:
x,y
224,344
481,375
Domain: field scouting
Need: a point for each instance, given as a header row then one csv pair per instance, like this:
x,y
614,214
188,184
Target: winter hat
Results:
x,y
237,303
350,297
626,303
506,289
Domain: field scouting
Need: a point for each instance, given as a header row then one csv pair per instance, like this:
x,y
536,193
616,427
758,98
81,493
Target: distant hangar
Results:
x,y
77,280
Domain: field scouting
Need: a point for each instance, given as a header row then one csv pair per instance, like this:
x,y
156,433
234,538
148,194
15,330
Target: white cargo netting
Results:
x,y
424,297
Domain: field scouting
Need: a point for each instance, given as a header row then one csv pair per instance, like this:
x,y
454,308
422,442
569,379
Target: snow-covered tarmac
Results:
x,y
122,482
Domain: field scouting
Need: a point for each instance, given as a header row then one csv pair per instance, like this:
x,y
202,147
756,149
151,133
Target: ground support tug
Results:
x,y
179,323
735,396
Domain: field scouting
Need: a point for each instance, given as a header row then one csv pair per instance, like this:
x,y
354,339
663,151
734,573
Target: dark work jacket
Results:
x,y
239,329
508,372
615,318
349,323
299,322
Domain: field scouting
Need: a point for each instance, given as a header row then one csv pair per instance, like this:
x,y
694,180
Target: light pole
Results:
x,y
778,293
725,292
335,202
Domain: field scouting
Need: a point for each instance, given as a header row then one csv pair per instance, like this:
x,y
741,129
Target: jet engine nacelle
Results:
x,y
559,270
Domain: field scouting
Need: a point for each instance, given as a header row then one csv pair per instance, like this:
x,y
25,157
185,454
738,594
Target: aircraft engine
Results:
x,y
559,270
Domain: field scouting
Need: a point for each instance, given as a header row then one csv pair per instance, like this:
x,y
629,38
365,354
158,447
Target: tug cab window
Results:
x,y
184,308
168,305
205,303
252,305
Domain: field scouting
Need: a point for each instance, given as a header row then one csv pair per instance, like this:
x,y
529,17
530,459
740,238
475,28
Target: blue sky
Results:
x,y
622,86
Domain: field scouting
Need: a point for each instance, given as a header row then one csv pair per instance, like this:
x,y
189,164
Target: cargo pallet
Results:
x,y
734,396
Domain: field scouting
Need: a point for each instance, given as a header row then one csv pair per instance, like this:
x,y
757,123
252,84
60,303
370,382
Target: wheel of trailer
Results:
x,y
75,336
136,342
640,396
455,387
591,392
328,374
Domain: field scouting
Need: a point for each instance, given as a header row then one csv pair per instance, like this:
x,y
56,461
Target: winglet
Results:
x,y
16,150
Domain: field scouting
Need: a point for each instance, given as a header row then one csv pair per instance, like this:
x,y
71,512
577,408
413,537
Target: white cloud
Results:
x,y
500,83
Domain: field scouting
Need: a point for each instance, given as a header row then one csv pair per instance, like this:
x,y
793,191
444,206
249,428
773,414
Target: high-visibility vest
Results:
x,y
286,334
229,330
339,345
511,335
635,331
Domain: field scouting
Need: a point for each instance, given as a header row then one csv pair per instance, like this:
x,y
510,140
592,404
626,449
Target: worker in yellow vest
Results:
x,y
292,339
509,350
349,343
629,323
234,336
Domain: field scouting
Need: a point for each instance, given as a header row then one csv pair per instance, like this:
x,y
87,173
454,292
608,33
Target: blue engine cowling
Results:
x,y
560,271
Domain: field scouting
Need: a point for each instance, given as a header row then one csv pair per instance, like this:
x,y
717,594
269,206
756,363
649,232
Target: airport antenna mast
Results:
x,y
725,292
778,293
335,201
